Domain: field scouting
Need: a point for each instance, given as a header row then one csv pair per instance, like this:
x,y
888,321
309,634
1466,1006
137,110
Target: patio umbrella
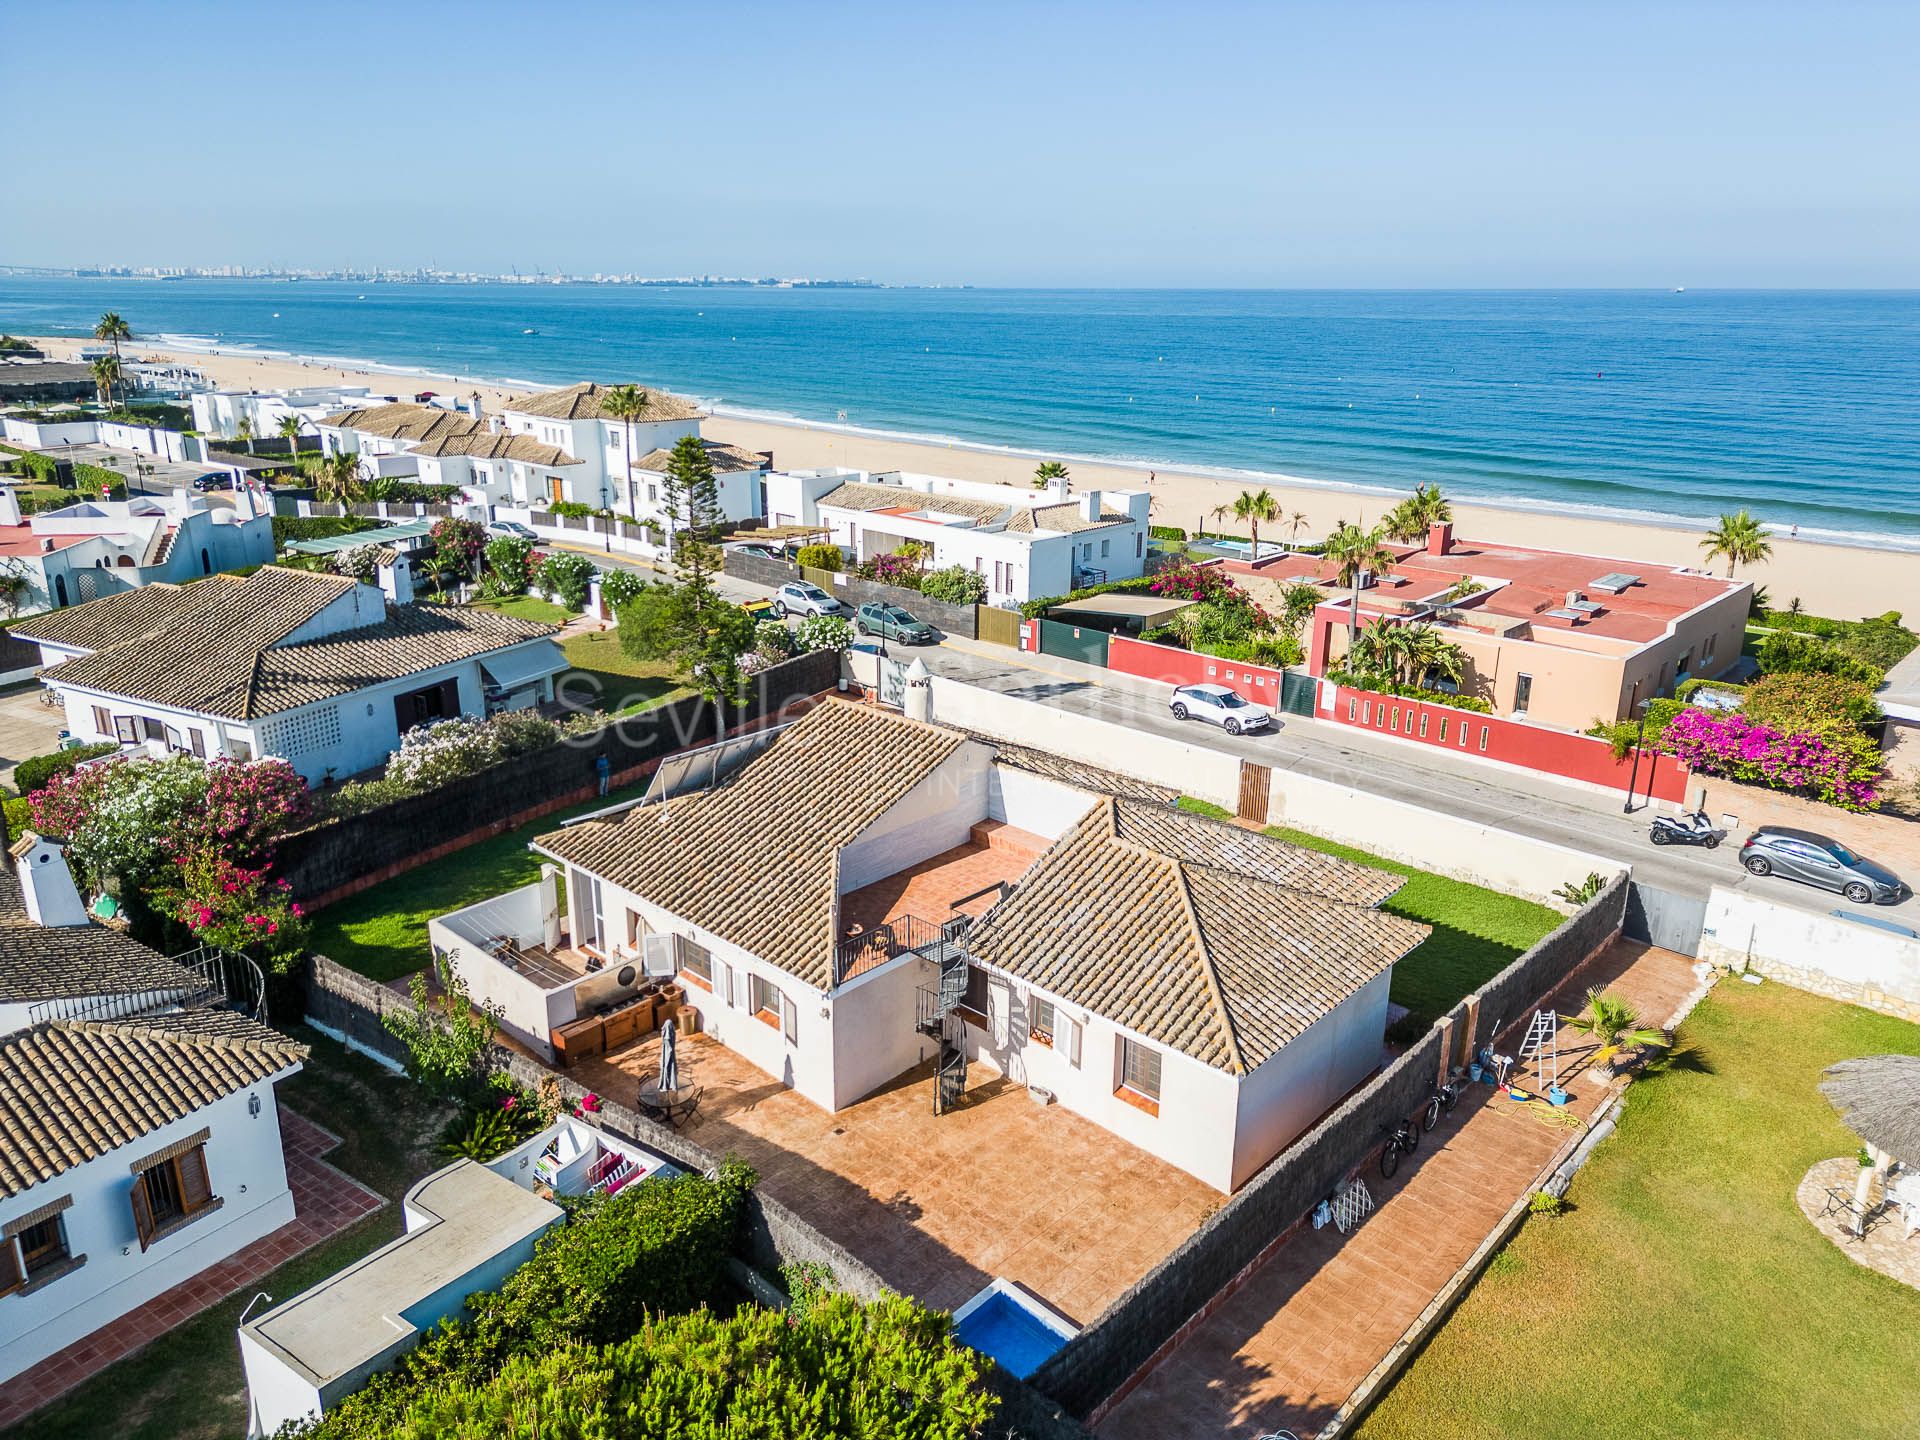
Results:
x,y
1878,1097
669,1058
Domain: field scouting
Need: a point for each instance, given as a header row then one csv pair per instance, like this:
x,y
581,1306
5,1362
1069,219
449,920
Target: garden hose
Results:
x,y
1559,1117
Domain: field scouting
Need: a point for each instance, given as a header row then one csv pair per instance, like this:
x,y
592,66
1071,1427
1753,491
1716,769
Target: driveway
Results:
x,y
27,728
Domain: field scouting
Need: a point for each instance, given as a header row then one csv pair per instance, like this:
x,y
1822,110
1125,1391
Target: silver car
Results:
x,y
1815,860
801,597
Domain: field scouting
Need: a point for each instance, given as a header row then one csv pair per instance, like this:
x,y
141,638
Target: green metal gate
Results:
x,y
1297,693
1073,642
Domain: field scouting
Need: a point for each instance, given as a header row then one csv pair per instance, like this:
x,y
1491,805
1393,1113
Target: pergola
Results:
x,y
1878,1097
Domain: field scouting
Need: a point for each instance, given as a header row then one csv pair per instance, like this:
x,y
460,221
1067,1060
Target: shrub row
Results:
x,y
1382,686
288,528
1034,609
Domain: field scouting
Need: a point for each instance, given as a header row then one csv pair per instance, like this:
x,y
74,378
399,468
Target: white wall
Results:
x,y
1810,950
873,1036
243,1153
935,815
1039,806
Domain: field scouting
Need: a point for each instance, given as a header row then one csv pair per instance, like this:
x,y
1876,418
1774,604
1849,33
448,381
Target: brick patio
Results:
x,y
996,852
325,1201
939,1205
1288,1348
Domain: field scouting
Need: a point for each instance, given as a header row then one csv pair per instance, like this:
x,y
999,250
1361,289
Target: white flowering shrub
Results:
x,y
431,755
823,632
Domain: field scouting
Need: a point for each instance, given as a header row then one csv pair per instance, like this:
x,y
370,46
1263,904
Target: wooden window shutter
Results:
x,y
1073,1043
12,1273
790,1019
195,1192
142,1211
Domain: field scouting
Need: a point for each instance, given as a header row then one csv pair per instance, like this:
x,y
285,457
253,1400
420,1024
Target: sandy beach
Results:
x,y
1845,582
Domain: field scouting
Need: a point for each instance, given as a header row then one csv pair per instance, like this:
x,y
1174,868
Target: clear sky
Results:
x,y
1180,144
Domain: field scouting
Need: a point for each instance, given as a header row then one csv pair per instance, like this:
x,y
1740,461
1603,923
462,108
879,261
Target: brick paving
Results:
x,y
325,1201
1288,1348
928,890
939,1205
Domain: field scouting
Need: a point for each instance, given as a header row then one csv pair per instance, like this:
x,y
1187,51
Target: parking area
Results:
x,y
27,727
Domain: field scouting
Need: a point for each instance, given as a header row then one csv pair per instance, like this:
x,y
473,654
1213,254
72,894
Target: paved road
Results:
x,y
27,728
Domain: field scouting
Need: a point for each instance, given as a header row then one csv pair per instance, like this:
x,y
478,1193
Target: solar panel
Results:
x,y
1615,581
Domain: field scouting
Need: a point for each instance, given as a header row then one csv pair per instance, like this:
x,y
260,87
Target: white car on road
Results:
x,y
511,530
803,598
1228,709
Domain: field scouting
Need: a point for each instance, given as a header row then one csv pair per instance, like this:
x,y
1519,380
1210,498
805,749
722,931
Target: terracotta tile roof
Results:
x,y
1215,961
1063,519
1205,841
109,621
71,1091
222,655
585,402
401,421
725,458
53,962
1073,772
484,446
856,495
754,860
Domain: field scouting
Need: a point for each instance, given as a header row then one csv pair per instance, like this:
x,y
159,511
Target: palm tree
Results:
x,y
1380,649
1616,1025
1740,538
1429,654
627,403
1296,522
1047,472
112,329
1252,508
337,477
290,427
1356,552
245,431
106,375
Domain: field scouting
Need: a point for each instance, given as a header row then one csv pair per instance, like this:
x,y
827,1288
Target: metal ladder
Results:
x,y
1543,1045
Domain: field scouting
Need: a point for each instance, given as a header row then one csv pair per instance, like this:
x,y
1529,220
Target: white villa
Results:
x,y
103,547
320,670
556,447
1023,542
139,1139
871,892
220,412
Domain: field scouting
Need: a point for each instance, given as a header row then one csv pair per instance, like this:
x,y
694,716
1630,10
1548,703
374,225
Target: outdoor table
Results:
x,y
675,1107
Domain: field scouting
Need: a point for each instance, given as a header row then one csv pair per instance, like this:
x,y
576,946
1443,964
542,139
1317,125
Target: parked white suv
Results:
x,y
803,598
1228,709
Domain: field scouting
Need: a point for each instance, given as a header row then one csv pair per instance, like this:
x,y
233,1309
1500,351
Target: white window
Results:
x,y
1041,1014
1106,548
694,960
1140,1069
765,1000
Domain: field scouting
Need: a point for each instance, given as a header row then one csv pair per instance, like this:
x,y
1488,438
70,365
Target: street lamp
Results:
x,y
1633,780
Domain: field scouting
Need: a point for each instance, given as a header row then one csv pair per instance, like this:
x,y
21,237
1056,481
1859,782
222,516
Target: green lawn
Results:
x,y
1476,931
623,682
382,931
188,1385
1686,1295
528,607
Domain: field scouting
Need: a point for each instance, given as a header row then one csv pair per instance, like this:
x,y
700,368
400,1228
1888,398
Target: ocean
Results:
x,y
1628,404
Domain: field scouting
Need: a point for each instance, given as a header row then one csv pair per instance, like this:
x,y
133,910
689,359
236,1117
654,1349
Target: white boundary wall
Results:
x,y
1840,958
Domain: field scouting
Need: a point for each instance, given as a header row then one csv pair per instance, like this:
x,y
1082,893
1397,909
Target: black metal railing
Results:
x,y
873,948
210,978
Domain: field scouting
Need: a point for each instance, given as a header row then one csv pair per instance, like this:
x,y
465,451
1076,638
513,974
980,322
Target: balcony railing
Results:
x,y
211,979
873,948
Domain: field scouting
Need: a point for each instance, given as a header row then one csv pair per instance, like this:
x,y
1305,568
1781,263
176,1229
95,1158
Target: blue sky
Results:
x,y
1362,144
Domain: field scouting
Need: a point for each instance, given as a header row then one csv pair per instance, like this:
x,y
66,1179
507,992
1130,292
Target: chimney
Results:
x,y
918,702
396,580
46,884
1574,597
9,507
473,403
46,544
1090,505
1058,488
1439,537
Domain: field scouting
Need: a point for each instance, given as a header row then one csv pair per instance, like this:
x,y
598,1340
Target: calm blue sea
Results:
x,y
1801,406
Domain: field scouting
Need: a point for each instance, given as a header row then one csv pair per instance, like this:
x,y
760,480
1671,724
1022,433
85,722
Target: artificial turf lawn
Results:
x,y
527,607
1476,931
382,931
620,682
1685,1295
187,1385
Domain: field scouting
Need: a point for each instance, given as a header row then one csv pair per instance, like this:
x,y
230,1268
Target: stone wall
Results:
x,y
1838,955
332,861
1165,1305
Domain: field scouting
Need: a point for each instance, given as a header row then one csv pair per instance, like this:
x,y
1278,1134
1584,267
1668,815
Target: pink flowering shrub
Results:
x,y
1187,581
235,908
249,804
1839,769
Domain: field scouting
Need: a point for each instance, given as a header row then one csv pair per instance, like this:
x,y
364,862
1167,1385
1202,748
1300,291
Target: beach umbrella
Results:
x,y
1878,1097
669,1058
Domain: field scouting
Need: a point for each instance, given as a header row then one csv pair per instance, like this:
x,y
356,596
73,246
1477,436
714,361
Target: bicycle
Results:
x,y
1402,1139
1442,1099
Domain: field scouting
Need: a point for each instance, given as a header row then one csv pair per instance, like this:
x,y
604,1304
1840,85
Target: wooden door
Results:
x,y
1256,785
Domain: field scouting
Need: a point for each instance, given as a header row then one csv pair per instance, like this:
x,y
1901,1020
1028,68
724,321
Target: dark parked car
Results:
x,y
1815,860
893,623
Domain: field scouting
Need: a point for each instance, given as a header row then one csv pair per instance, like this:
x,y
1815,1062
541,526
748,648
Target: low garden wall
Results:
x,y
1097,1367
334,860
345,1003
960,620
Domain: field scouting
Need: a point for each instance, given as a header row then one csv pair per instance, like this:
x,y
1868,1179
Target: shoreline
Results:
x,y
1842,578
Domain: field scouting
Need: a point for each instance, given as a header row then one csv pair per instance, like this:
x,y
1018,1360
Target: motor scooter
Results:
x,y
1694,829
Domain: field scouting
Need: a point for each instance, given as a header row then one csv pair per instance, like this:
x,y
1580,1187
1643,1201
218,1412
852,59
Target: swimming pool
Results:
x,y
1017,1329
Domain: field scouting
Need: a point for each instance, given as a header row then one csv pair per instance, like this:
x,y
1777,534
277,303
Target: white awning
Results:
x,y
523,665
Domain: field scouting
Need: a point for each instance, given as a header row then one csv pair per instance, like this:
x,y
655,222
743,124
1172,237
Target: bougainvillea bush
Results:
x,y
235,907
1839,769
1187,581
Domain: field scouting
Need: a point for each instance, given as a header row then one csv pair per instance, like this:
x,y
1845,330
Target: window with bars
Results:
x,y
764,999
1140,1069
170,1191
35,1248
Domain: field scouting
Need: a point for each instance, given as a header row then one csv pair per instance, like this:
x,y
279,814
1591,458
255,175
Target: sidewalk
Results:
x,y
1304,1332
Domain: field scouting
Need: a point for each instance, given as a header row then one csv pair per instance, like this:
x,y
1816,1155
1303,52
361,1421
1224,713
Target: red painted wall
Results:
x,y
1513,742
1183,667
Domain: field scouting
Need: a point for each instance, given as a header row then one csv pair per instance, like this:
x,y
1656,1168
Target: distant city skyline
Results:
x,y
1214,145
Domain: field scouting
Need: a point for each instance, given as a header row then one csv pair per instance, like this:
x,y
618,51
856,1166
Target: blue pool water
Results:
x,y
1016,1340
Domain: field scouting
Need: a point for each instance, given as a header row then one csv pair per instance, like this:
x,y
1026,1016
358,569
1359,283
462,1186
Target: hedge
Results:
x,y
660,1246
43,468
36,770
1034,609
92,479
1380,685
1166,532
287,528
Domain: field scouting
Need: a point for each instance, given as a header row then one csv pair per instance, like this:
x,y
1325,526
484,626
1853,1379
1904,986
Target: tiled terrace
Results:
x,y
325,1202
939,1205
1288,1348
996,853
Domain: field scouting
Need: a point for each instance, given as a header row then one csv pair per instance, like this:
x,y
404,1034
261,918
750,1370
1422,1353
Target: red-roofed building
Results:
x,y
1562,639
